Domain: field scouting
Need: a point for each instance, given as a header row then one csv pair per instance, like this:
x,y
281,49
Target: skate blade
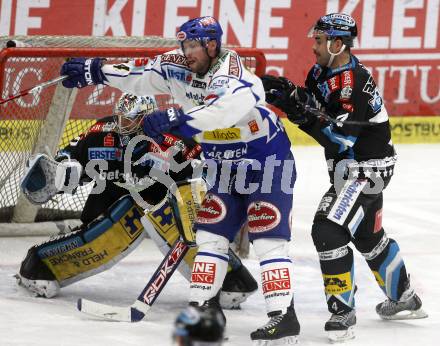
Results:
x,y
288,340
336,336
406,315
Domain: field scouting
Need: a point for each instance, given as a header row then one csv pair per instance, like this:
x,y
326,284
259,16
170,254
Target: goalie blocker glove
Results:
x,y
82,72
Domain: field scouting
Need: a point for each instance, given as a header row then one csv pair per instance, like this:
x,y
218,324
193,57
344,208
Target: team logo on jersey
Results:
x,y
203,273
346,92
275,280
376,102
317,70
262,217
212,210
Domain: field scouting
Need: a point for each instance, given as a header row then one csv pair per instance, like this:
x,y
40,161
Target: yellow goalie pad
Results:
x,y
96,247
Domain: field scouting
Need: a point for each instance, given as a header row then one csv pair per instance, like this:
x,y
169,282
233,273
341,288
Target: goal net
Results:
x,y
48,119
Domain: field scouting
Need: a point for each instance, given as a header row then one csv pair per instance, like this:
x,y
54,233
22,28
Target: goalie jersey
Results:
x,y
227,105
101,142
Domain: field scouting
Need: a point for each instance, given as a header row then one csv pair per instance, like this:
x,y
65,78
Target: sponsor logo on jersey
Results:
x,y
141,62
348,107
198,84
212,210
347,79
234,67
262,217
253,126
376,102
275,280
108,154
337,284
109,140
325,90
222,134
346,201
227,151
203,272
218,83
317,70
333,83
175,59
180,75
198,98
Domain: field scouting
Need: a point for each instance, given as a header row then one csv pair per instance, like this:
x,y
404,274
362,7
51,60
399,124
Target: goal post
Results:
x,y
48,119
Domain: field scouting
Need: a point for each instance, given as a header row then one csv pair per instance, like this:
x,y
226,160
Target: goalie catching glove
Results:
x,y
45,177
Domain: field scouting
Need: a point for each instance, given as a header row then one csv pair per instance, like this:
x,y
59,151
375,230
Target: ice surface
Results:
x,y
411,216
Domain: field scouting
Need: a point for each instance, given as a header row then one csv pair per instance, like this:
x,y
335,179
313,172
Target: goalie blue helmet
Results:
x,y
337,25
196,326
203,29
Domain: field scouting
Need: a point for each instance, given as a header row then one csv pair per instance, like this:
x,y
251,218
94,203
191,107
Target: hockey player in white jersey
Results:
x,y
223,107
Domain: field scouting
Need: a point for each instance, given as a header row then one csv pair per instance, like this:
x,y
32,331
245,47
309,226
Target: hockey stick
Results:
x,y
137,311
320,114
34,89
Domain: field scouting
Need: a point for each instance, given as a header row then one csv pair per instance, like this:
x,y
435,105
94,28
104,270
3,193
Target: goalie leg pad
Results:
x,y
89,250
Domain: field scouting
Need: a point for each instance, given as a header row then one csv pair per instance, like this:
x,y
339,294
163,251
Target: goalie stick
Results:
x,y
137,311
34,89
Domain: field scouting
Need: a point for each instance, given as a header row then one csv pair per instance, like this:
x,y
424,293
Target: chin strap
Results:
x,y
333,55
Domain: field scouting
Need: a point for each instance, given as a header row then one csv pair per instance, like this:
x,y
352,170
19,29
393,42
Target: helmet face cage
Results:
x,y
202,29
130,110
336,25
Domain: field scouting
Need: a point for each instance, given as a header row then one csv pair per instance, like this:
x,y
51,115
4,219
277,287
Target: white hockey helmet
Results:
x,y
130,110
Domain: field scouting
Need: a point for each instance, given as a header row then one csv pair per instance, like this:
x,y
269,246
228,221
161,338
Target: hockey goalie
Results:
x,y
113,224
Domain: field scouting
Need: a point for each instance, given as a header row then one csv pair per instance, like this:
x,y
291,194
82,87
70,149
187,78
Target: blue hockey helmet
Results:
x,y
337,25
203,29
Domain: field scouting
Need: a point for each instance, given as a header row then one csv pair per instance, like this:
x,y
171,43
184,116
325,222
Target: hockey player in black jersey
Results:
x,y
113,224
360,157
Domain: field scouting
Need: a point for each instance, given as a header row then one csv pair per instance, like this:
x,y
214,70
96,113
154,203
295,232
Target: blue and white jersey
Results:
x,y
226,107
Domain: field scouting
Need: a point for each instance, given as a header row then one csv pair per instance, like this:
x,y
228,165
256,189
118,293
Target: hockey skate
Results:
x,y
340,327
282,329
406,308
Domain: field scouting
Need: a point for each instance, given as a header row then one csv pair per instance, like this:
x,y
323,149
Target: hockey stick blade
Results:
x,y
34,89
137,311
132,313
320,114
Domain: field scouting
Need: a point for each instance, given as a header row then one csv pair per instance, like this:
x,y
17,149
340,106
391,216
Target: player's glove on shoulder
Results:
x,y
82,72
158,122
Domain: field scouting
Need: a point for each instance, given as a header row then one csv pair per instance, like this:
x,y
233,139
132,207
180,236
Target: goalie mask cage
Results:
x,y
48,119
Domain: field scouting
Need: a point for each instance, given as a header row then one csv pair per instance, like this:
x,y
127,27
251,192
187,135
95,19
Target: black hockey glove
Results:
x,y
277,89
299,99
